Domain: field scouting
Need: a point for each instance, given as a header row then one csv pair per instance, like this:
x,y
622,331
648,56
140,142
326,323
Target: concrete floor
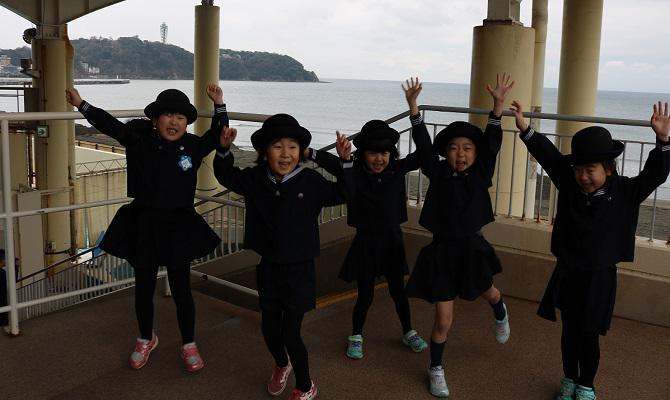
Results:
x,y
81,353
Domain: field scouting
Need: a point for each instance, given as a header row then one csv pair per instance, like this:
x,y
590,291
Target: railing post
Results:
x,y
9,231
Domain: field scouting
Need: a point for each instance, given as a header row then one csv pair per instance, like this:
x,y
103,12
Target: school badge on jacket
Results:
x,y
185,163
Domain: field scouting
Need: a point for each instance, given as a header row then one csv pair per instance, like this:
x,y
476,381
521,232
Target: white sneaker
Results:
x,y
502,328
438,385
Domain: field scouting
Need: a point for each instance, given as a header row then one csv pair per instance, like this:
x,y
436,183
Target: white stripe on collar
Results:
x,y
286,177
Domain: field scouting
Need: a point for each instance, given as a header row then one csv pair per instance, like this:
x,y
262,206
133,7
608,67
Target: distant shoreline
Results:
x,y
21,81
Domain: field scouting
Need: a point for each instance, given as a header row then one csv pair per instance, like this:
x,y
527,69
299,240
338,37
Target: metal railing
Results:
x,y
630,163
101,274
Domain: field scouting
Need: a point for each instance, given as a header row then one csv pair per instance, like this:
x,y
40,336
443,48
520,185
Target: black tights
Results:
x,y
580,349
366,293
281,331
180,286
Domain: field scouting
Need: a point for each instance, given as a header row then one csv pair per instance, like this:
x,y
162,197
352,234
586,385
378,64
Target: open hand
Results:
x,y
227,137
412,87
343,146
517,109
72,96
215,93
503,86
660,122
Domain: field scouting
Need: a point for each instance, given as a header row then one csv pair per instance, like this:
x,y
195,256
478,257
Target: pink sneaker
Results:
x,y
279,379
308,395
191,357
143,348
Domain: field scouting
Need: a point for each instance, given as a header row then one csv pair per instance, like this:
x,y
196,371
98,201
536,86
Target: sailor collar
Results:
x,y
286,177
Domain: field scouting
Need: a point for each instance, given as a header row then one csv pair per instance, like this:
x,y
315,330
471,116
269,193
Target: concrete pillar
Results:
x,y
539,24
497,47
53,153
580,57
578,75
71,169
205,72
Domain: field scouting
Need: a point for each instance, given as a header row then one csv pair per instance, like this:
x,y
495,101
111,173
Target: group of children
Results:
x,y
594,228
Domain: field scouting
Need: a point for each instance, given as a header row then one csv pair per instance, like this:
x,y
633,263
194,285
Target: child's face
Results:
x,y
171,126
283,156
591,177
461,153
376,161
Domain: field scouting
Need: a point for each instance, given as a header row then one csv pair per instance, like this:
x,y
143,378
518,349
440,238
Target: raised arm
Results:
x,y
657,166
211,138
543,150
424,149
231,177
101,119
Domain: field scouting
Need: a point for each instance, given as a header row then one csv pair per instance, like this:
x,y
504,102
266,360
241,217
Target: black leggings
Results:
x,y
179,277
281,330
580,349
366,293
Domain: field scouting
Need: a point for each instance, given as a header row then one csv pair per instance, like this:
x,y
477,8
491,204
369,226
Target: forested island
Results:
x,y
134,58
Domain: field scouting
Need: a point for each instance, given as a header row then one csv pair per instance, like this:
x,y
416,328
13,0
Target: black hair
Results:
x,y
360,153
610,166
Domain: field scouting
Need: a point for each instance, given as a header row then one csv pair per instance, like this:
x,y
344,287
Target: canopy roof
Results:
x,y
54,12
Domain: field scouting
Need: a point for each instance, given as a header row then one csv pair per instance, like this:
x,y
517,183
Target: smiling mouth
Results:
x,y
171,131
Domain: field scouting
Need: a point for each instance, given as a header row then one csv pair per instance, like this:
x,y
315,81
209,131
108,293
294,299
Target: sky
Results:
x,y
385,39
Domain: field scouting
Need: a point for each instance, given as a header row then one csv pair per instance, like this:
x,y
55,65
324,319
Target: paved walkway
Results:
x,y
81,354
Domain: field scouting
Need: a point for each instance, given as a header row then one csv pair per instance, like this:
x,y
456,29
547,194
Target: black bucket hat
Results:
x,y
280,126
457,129
376,135
172,100
593,144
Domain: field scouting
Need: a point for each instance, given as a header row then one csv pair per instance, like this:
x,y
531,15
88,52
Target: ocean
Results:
x,y
345,105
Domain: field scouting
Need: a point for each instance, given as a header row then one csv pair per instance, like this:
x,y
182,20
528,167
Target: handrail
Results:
x,y
54,265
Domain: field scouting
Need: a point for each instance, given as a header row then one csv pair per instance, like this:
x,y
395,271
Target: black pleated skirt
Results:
x,y
454,267
589,294
375,253
147,236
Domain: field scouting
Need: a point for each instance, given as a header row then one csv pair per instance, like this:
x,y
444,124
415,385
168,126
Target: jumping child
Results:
x,y
376,206
594,230
160,226
459,262
283,201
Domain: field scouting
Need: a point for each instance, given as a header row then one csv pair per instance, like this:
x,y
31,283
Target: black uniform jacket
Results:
x,y
597,230
458,203
375,202
281,218
161,174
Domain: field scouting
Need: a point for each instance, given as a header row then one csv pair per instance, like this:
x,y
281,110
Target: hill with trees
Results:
x,y
133,58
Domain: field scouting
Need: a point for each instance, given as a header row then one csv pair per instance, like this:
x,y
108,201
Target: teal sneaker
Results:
x,y
414,341
502,328
438,385
355,347
567,391
585,393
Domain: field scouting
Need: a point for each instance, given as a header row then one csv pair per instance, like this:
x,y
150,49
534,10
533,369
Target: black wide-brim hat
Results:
x,y
280,126
170,101
593,144
376,135
454,130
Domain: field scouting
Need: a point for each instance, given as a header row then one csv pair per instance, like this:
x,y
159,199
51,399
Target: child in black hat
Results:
x,y
160,226
594,229
283,201
377,205
459,262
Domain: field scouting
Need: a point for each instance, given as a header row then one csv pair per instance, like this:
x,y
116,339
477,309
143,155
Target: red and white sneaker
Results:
x,y
300,395
279,379
143,348
191,357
